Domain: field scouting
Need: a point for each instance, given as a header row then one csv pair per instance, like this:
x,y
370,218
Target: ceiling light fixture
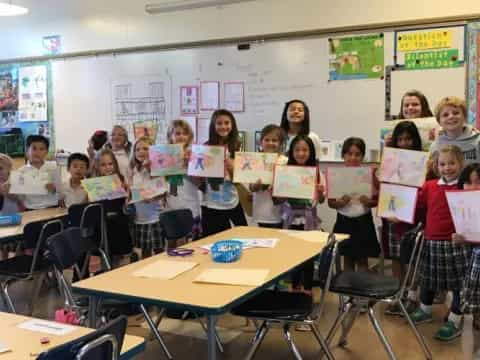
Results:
x,y
178,5
8,9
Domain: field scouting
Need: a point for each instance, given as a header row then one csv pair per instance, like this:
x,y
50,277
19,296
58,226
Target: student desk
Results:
x,y
14,231
25,344
210,299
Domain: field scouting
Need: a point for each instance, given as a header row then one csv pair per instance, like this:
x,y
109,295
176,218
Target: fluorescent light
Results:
x,y
178,5
7,9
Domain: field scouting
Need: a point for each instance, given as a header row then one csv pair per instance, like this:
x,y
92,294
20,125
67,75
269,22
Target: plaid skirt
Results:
x,y
444,265
471,294
148,236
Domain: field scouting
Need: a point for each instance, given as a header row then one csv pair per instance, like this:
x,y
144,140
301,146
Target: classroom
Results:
x,y
230,179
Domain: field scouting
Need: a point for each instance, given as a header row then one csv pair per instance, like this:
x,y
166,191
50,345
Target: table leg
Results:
x,y
92,311
212,345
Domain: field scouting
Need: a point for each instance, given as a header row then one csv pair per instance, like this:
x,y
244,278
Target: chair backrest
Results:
x,y
411,248
176,224
104,350
35,235
89,217
68,247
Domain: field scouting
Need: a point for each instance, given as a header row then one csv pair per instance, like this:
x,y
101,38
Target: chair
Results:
x,y
362,288
176,225
91,218
29,266
104,343
285,308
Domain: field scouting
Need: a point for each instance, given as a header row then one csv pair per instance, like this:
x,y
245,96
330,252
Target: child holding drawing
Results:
x,y
183,194
265,212
221,202
444,262
470,180
354,216
301,214
147,232
405,136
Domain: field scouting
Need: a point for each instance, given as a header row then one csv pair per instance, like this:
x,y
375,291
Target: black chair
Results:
x,y
104,343
29,267
176,225
90,218
361,288
287,309
118,236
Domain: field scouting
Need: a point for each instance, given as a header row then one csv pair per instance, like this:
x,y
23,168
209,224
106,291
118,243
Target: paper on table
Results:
x,y
165,269
4,348
47,327
247,277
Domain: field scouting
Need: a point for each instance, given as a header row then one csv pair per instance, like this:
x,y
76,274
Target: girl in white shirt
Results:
x,y
296,121
265,212
147,227
121,148
221,204
184,193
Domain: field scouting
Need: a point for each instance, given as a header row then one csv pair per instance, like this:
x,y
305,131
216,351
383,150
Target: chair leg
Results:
x,y
419,336
347,324
321,341
105,259
381,335
217,338
8,300
342,312
36,287
257,340
291,344
155,331
158,321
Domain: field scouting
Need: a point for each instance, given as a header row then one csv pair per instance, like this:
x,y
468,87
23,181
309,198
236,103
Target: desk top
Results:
x,y
182,292
25,344
31,216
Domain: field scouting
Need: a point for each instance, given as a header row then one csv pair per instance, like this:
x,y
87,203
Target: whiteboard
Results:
x,y
273,73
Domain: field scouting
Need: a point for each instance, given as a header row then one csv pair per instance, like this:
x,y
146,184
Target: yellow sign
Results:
x,y
423,40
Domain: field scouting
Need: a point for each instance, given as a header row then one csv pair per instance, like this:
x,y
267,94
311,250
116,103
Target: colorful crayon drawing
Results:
x,y
249,167
397,201
349,180
167,159
465,210
207,161
104,188
147,128
149,189
404,167
296,182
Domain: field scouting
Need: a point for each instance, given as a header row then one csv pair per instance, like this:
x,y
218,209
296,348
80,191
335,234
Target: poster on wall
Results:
x,y
8,96
473,74
144,98
189,100
32,93
234,96
356,57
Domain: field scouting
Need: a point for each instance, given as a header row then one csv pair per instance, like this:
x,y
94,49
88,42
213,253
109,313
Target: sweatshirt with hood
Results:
x,y
468,142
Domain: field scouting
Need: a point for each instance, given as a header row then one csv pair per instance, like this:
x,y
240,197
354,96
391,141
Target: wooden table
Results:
x,y
9,232
25,344
210,299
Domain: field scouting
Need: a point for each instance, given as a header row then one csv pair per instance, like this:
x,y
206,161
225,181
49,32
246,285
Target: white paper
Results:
x,y
314,236
30,181
188,100
47,327
465,209
234,99
229,276
4,348
209,95
164,269
330,150
32,93
397,201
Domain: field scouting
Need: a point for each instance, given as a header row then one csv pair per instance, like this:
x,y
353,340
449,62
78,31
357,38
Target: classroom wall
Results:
x,y
92,24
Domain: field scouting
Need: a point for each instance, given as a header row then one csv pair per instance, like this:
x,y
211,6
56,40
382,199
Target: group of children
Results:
x,y
215,203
